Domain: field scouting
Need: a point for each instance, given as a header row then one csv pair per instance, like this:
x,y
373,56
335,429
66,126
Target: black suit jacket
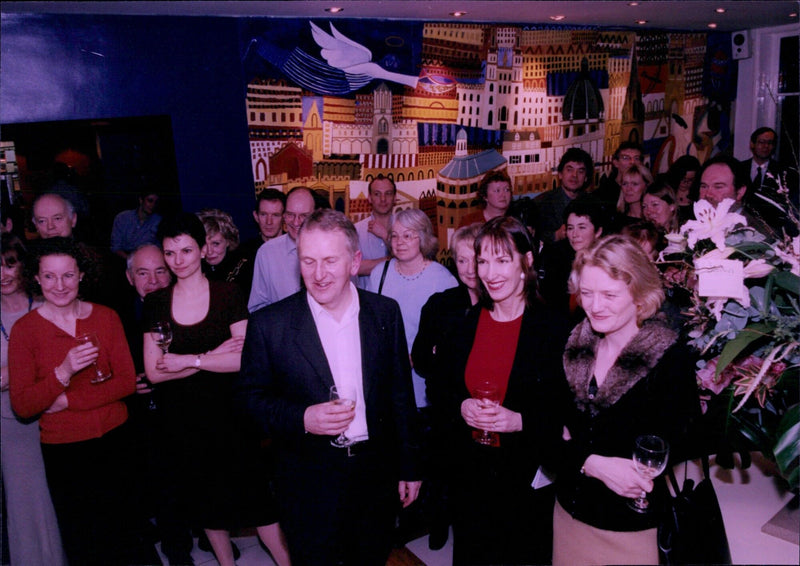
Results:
x,y
284,371
536,390
765,201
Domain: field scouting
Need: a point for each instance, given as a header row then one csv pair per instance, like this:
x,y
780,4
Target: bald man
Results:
x,y
53,215
276,273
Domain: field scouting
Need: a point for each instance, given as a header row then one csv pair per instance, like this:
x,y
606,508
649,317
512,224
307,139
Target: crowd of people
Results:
x,y
337,389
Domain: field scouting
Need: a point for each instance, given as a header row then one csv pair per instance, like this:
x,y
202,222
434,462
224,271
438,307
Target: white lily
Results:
x,y
712,223
757,268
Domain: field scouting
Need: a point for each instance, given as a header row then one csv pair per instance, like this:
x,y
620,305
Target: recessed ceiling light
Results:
x,y
641,22
633,3
458,14
557,18
334,10
720,10
712,25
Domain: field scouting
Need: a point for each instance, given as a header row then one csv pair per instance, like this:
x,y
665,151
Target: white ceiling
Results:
x,y
682,15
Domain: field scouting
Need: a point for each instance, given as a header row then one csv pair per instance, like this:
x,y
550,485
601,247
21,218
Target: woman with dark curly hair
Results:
x,y
84,438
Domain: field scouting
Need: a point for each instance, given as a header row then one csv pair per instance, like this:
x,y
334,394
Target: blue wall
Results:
x,y
186,68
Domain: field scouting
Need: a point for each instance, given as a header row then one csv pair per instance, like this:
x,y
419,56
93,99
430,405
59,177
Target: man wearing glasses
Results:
x,y
277,270
628,153
765,176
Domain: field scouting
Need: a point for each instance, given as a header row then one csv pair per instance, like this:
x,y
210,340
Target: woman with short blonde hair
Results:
x,y
221,261
628,375
623,259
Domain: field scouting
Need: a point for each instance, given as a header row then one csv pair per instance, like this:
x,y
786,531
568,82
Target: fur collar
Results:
x,y
634,362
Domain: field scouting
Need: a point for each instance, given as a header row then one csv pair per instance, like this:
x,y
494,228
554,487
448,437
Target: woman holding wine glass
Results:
x,y
628,376
85,440
216,466
502,374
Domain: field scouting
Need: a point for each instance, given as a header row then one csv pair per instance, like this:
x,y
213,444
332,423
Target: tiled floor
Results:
x,y
254,555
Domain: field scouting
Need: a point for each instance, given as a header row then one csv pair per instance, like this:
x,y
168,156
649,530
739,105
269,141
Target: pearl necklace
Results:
x,y
413,276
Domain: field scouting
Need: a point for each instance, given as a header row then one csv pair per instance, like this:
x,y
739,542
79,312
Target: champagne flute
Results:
x,y
488,395
650,455
99,375
163,335
343,396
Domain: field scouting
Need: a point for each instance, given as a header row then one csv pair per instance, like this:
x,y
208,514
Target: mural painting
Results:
x,y
435,106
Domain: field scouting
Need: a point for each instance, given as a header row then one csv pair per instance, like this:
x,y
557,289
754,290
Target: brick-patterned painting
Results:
x,y
434,106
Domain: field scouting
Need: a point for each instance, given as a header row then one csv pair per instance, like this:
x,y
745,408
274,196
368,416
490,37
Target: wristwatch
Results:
x,y
197,361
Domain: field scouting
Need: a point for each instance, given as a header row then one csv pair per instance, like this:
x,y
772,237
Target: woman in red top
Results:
x,y
84,442
510,343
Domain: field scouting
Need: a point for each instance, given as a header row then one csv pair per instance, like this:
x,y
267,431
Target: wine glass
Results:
x,y
487,395
343,396
99,375
650,457
163,335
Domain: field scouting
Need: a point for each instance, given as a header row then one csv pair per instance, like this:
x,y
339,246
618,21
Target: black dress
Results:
x,y
216,463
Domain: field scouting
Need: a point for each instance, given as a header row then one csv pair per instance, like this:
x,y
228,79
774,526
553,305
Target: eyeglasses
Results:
x,y
624,157
407,237
765,142
291,216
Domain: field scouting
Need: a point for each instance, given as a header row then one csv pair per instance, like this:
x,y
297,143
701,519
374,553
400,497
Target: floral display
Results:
x,y
744,320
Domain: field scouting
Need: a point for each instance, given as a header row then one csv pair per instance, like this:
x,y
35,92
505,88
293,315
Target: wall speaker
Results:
x,y
740,44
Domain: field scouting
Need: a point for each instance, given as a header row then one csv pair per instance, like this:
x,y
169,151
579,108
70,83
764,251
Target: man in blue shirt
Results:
x,y
373,231
134,228
277,270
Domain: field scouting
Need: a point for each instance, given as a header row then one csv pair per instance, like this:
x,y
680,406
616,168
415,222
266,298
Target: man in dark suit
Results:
x,y
337,504
770,183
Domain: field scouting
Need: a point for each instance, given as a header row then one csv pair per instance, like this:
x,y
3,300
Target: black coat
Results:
x,y
498,517
651,389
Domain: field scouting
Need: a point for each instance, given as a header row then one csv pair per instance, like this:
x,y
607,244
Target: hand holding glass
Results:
x,y
99,374
343,396
162,334
487,395
650,455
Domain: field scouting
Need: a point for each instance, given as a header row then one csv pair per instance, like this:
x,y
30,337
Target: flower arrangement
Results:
x,y
744,320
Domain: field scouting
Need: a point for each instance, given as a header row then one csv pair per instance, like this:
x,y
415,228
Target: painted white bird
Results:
x,y
353,58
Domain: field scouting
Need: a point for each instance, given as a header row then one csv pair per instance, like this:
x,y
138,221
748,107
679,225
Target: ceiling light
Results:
x,y
641,22
557,18
633,3
334,10
458,14
720,10
712,25
793,15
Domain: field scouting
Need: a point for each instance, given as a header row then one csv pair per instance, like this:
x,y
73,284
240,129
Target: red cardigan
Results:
x,y
37,346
